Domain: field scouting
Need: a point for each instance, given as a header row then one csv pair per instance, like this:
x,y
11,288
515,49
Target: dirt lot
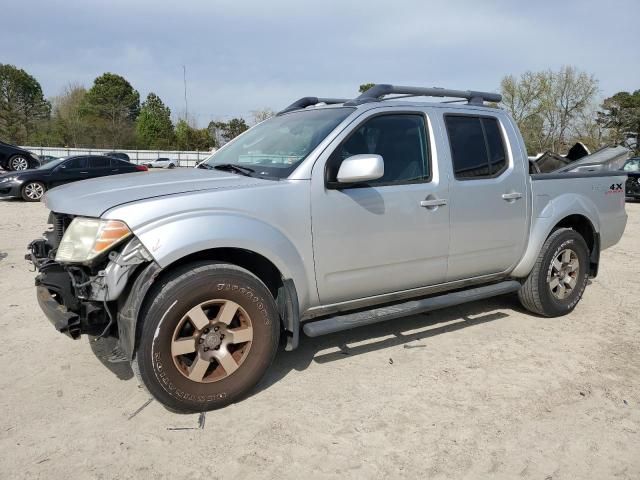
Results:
x,y
480,391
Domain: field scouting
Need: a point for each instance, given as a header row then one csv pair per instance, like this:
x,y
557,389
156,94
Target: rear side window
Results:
x,y
99,162
477,148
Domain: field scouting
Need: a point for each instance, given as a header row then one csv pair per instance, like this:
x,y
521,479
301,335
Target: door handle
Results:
x,y
511,196
84,172
438,202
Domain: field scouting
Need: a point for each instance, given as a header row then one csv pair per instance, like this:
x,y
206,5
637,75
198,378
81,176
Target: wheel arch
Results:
x,y
581,222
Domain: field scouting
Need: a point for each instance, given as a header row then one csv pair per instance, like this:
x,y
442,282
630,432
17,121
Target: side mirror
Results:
x,y
361,168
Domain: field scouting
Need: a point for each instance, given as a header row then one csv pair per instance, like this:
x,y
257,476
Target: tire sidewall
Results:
x,y
567,240
157,367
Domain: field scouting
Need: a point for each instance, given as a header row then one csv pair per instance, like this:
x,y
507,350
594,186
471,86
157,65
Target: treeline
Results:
x,y
107,115
554,109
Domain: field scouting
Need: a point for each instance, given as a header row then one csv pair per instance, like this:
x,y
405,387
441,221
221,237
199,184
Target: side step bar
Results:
x,y
382,314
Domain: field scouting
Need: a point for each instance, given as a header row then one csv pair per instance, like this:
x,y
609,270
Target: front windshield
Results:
x,y
275,147
52,164
632,165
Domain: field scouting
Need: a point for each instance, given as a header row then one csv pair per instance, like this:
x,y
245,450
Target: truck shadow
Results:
x,y
359,341
402,331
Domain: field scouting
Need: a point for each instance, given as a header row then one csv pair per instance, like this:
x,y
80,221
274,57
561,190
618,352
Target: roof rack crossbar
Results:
x,y
305,102
378,91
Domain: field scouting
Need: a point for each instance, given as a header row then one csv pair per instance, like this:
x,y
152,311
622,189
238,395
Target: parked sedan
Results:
x,y
16,158
632,169
162,163
30,185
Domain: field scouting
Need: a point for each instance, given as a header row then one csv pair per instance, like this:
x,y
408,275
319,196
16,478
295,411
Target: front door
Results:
x,y
71,170
488,201
388,235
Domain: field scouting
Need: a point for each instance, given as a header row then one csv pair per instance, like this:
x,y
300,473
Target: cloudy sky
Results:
x,y
244,55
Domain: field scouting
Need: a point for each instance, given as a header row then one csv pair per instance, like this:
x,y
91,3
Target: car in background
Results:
x,y
162,163
632,169
119,155
31,185
16,158
47,158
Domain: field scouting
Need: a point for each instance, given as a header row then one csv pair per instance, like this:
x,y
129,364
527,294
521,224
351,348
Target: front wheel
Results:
x,y
33,191
558,279
207,336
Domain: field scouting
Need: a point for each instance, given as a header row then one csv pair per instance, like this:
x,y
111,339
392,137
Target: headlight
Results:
x,y
86,238
7,179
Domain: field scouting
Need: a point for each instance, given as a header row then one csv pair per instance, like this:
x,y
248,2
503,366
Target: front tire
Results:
x,y
558,279
207,336
33,191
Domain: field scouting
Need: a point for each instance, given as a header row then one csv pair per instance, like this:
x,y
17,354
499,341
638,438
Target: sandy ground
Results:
x,y
480,391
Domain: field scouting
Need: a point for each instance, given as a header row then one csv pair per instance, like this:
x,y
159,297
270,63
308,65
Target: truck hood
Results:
x,y
91,198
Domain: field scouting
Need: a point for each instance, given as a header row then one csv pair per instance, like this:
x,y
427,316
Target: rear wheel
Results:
x,y
207,337
558,279
18,162
33,191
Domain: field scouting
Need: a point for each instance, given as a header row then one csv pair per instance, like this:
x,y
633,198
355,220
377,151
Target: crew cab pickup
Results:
x,y
331,215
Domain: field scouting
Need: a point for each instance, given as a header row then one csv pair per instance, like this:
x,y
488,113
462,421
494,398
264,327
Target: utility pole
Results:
x,y
186,106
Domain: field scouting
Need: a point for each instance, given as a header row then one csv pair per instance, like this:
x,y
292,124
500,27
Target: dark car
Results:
x,y
632,169
119,155
30,185
16,158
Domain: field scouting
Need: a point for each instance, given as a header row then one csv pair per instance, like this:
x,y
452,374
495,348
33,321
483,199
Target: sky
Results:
x,y
246,55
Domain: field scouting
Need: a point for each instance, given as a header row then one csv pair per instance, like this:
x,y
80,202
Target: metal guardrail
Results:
x,y
184,158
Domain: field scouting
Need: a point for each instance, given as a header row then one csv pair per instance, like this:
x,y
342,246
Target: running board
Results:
x,y
412,307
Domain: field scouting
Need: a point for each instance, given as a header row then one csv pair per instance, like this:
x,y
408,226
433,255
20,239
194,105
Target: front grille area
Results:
x,y
59,223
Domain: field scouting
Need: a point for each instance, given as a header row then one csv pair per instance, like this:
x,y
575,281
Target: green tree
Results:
x,y
112,105
22,104
153,125
223,132
365,86
620,115
190,138
68,122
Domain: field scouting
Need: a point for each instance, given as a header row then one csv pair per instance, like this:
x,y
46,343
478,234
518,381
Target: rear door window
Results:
x,y
99,162
477,147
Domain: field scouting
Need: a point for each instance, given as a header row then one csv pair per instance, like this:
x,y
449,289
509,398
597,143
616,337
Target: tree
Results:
x,y
68,121
22,104
154,128
190,138
620,115
223,132
113,105
262,115
550,107
365,86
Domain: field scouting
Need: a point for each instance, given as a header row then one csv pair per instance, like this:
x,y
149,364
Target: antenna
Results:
x,y
186,105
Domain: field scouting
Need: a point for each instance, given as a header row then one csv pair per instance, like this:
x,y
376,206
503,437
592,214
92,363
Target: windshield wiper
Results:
x,y
230,167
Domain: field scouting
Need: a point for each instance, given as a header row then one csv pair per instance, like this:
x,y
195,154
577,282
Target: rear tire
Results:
x,y
206,337
18,163
558,279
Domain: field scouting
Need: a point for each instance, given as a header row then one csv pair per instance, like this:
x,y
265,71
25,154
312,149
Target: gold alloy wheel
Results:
x,y
564,273
211,341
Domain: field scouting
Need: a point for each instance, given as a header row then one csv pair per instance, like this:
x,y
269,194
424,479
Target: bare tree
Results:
x,y
550,107
261,115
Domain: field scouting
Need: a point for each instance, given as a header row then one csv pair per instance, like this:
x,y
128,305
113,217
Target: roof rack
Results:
x,y
378,91
305,102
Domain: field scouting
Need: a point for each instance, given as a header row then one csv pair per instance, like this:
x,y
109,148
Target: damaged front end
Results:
x,y
85,297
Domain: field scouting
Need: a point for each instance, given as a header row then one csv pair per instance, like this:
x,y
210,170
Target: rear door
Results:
x,y
488,196
99,166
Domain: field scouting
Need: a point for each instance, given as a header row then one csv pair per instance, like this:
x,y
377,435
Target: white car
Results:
x,y
162,163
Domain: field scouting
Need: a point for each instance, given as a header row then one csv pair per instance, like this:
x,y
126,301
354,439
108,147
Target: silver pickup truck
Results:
x,y
333,214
